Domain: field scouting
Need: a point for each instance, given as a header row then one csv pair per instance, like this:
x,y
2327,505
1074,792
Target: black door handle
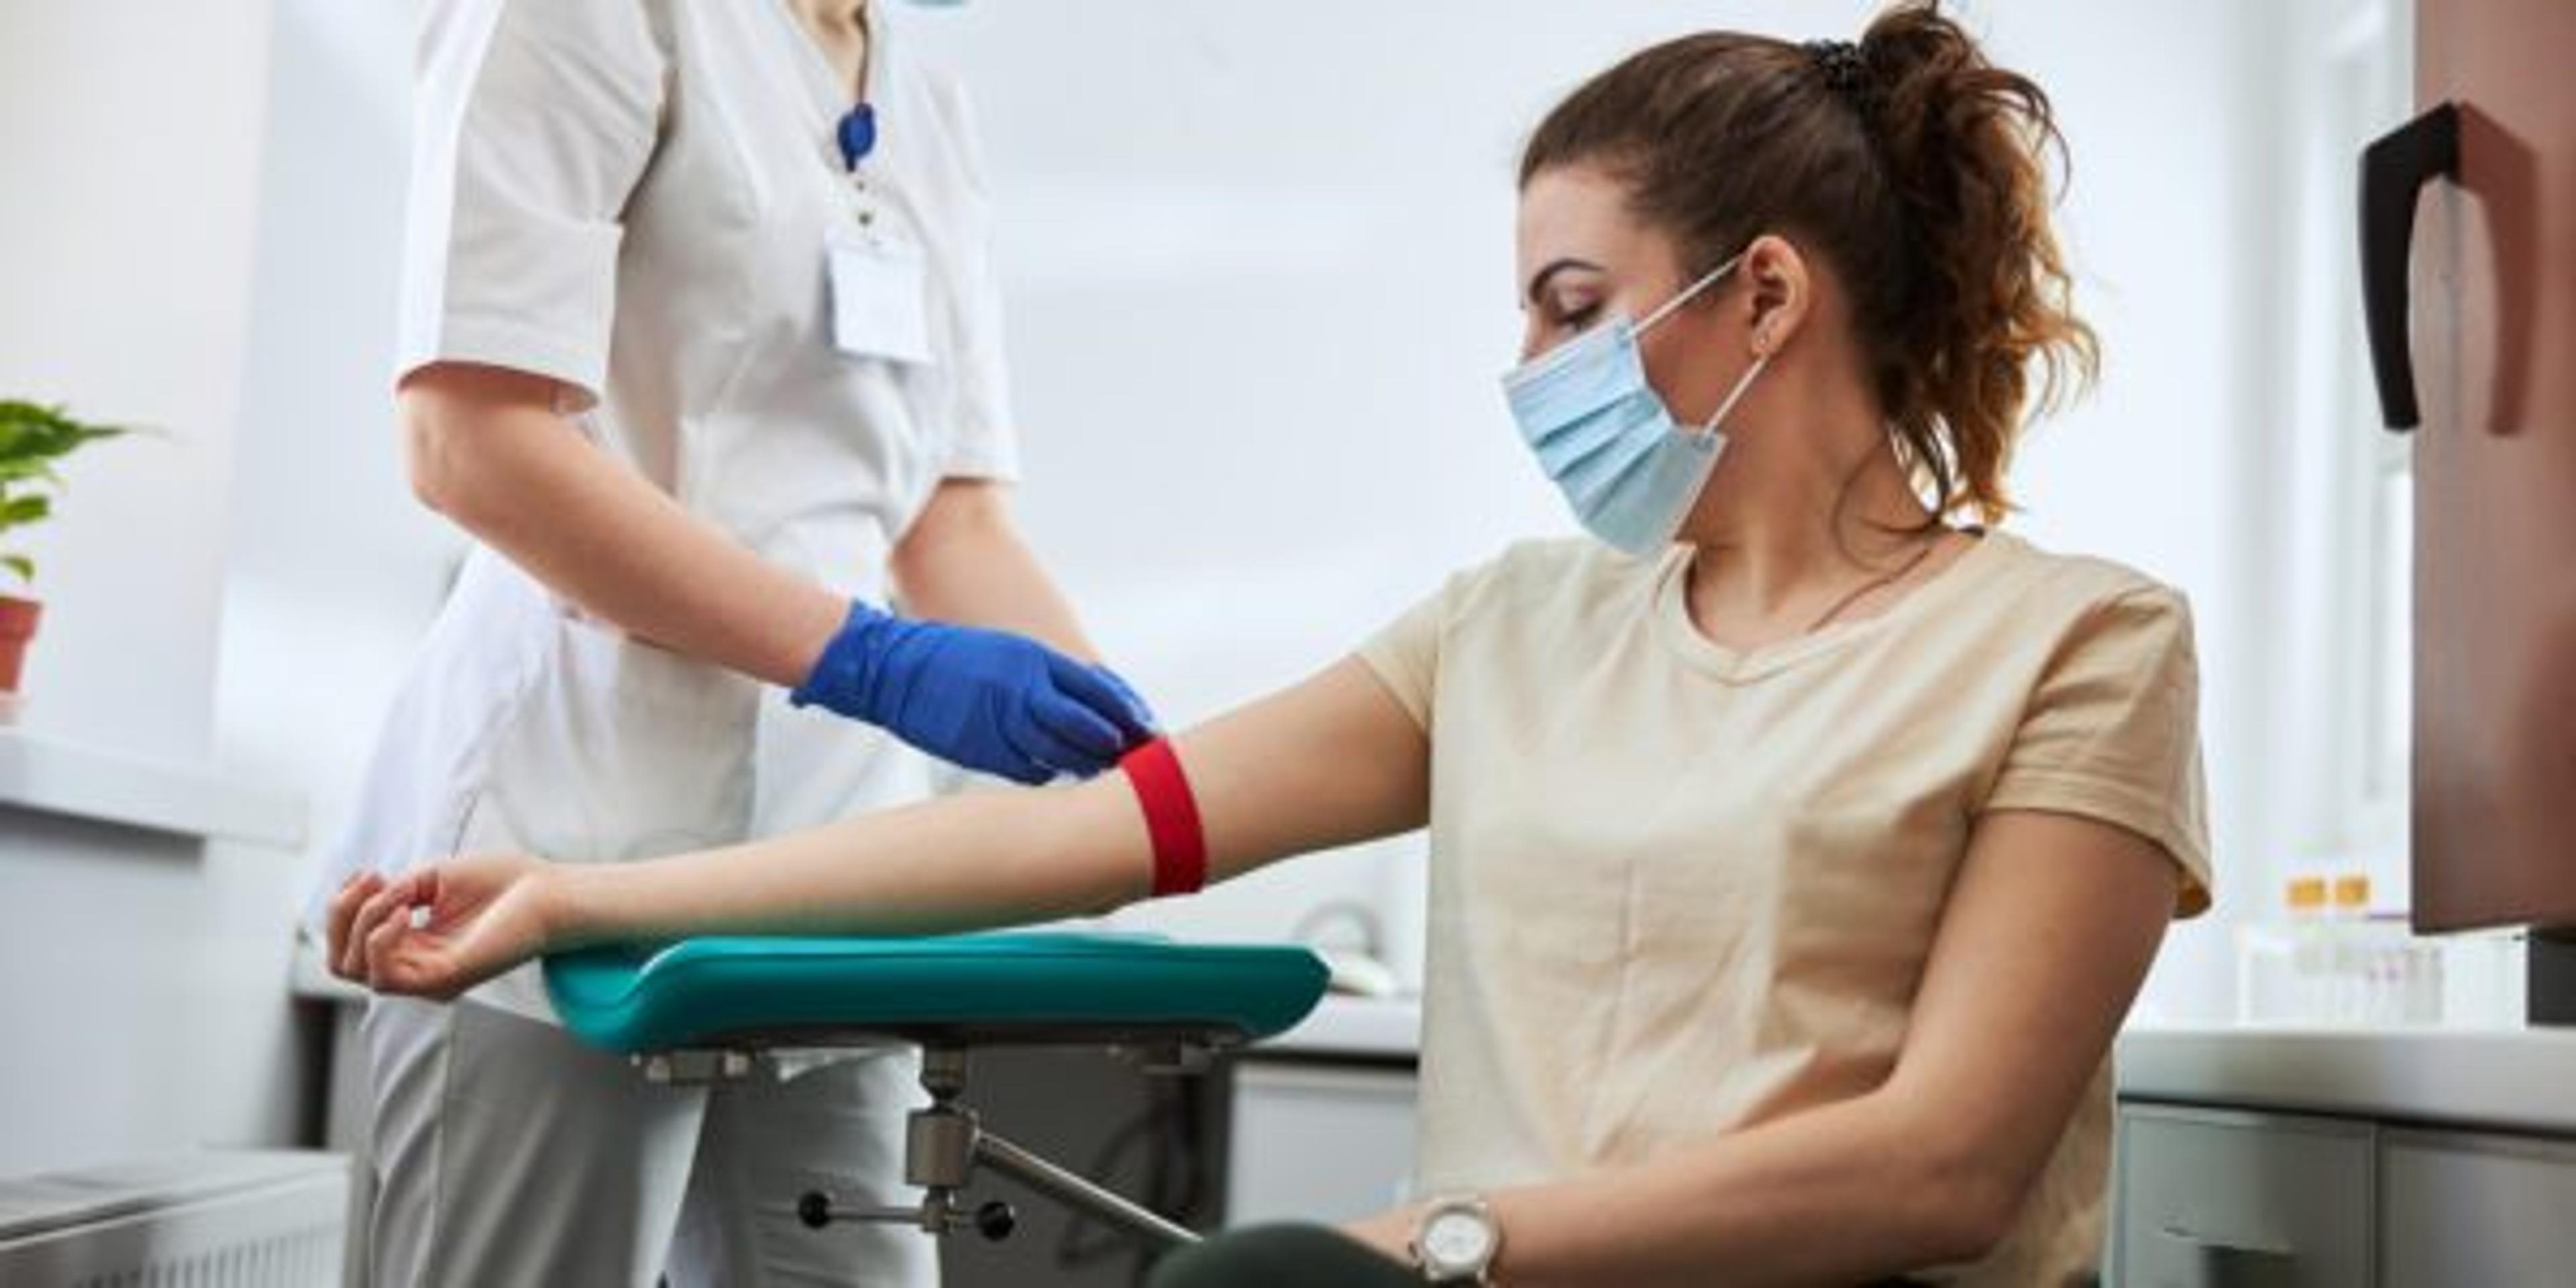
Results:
x,y
2393,170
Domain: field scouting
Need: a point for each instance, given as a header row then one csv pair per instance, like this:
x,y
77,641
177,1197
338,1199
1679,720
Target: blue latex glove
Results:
x,y
988,700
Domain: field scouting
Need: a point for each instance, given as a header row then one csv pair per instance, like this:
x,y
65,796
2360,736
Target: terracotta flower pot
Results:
x,y
17,627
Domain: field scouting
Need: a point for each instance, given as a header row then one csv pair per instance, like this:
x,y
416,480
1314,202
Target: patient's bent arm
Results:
x,y
1327,762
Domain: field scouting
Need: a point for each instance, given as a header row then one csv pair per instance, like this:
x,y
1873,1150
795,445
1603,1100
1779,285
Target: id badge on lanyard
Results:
x,y
880,285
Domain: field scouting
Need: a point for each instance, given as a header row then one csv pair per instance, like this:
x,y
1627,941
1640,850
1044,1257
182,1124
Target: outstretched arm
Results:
x,y
1328,762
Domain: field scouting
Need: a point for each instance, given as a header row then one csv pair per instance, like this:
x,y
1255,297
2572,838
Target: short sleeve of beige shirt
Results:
x,y
2111,733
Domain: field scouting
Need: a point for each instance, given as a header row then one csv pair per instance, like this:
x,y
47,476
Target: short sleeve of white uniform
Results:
x,y
534,119
982,441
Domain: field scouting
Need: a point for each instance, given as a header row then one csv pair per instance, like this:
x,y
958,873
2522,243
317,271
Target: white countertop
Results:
x,y
308,980
1366,1028
2521,1078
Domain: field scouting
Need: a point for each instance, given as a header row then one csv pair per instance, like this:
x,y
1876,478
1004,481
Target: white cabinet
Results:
x,y
2222,1198
2457,1208
1318,1142
2213,1198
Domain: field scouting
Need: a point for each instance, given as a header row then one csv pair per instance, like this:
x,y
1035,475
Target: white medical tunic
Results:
x,y
639,199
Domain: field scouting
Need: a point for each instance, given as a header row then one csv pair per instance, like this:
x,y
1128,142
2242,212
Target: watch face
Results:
x,y
1457,1241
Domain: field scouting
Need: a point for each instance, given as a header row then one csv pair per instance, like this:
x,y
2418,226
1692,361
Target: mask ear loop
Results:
x,y
1708,428
1686,294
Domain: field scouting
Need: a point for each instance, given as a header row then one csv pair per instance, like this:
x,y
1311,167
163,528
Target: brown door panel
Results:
x,y
2494,284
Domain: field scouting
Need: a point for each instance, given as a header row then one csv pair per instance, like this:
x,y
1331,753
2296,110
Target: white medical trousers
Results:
x,y
507,1153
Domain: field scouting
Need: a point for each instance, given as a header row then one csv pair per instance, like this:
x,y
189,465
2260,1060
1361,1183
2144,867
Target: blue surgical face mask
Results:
x,y
1605,437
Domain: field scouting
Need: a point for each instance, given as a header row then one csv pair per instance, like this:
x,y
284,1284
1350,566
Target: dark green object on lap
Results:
x,y
1282,1256
1304,1256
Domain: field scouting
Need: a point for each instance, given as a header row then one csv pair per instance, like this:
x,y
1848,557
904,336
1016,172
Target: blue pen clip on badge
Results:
x,y
857,135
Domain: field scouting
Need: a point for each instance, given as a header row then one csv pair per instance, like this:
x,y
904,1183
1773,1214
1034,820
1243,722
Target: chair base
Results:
x,y
944,1144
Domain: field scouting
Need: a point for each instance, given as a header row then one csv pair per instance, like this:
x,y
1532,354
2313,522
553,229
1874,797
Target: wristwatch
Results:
x,y
1456,1241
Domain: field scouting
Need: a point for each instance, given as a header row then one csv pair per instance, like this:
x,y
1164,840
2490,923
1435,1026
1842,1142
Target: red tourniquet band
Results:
x,y
1171,818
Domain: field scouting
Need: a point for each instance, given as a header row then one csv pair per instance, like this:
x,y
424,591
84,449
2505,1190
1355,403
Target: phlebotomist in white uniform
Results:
x,y
700,343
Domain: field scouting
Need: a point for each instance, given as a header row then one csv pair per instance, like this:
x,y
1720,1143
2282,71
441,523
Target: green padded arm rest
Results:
x,y
996,989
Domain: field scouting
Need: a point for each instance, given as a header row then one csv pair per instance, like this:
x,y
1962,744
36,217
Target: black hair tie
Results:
x,y
1840,63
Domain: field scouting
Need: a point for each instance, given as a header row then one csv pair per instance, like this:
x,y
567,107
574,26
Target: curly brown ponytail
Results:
x,y
1912,165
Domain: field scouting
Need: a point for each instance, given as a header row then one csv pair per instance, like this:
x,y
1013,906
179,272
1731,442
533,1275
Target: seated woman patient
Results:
x,y
1798,842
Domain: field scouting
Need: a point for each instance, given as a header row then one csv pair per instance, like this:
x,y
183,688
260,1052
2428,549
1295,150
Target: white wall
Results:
x,y
1258,261
2168,113
130,139
144,1001
333,570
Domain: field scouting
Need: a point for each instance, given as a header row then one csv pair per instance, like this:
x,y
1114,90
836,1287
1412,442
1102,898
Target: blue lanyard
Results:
x,y
857,135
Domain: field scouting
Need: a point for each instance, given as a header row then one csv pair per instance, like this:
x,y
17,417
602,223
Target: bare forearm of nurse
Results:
x,y
487,448
2047,935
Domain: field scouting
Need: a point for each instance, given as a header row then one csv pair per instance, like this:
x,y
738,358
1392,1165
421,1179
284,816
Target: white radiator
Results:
x,y
213,1219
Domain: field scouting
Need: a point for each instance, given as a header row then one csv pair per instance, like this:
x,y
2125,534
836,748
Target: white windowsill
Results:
x,y
48,775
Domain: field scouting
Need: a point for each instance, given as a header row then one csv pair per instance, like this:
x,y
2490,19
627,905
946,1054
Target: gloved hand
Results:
x,y
987,700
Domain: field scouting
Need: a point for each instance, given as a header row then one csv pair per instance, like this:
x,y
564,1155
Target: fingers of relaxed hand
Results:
x,y
349,950
382,943
343,911
388,906
402,960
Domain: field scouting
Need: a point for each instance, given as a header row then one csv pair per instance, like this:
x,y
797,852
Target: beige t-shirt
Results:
x,y
1678,890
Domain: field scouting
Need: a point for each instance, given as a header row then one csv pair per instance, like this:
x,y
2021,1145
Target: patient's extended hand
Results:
x,y
437,931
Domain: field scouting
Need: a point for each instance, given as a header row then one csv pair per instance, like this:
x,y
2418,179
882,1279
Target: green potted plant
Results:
x,y
33,439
